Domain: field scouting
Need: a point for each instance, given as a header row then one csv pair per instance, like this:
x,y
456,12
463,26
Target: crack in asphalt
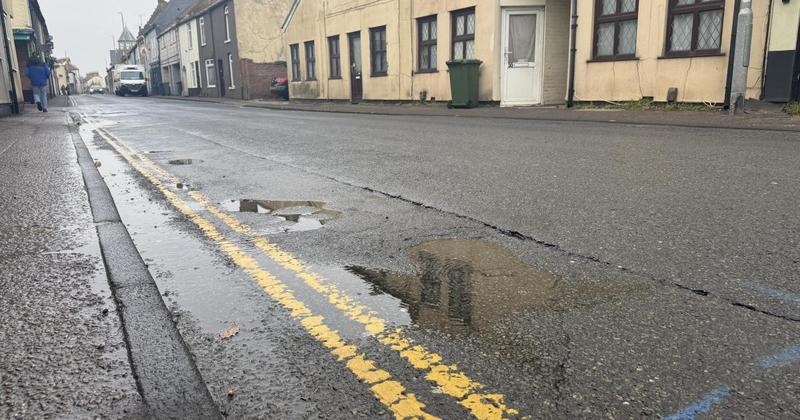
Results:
x,y
504,231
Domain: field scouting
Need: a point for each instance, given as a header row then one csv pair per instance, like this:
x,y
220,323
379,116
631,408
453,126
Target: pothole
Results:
x,y
303,215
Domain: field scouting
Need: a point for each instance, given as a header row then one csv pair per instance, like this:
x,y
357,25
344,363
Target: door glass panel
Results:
x,y
522,38
355,54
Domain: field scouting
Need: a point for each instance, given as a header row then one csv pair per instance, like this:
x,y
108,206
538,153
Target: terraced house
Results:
x,y
625,50
398,49
240,47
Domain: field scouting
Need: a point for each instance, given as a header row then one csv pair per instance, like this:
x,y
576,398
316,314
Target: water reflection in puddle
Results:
x,y
304,215
464,286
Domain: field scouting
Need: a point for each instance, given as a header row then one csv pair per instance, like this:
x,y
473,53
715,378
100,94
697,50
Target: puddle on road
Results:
x,y
185,161
304,215
464,286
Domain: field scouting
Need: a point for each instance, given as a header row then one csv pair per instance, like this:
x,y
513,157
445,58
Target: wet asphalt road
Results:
x,y
570,269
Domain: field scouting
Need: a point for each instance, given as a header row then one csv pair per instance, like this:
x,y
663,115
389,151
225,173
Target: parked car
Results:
x,y
280,87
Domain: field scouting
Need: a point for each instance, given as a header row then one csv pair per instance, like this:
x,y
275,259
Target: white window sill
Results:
x,y
211,86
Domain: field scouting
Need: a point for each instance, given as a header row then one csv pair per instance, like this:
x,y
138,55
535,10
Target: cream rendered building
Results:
x,y
190,57
633,49
398,49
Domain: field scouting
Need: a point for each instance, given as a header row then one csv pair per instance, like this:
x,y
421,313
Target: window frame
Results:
x,y
673,9
373,51
616,18
455,39
335,58
227,24
201,26
232,85
423,45
211,63
294,53
311,60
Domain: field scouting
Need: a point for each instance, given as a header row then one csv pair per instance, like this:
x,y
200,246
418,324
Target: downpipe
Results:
x,y
572,53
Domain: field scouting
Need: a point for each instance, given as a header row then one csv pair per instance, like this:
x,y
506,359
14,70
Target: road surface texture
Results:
x,y
346,266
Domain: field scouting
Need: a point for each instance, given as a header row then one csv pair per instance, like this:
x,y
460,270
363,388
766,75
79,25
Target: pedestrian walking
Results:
x,y
39,74
64,90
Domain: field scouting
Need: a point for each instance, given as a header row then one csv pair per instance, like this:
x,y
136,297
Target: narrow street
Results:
x,y
358,266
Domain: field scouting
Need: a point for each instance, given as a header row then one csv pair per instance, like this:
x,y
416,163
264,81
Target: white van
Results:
x,y
130,80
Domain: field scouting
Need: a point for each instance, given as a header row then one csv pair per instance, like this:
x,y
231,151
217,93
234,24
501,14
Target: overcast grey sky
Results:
x,y
83,29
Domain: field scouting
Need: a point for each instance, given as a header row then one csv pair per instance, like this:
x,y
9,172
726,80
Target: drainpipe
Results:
x,y
729,79
14,100
572,53
766,51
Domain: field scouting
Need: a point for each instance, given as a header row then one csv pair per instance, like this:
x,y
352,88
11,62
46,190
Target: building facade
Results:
x,y
241,47
398,50
170,61
220,71
189,56
633,49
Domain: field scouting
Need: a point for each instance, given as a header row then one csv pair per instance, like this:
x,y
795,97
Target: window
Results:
x,y
202,23
211,74
335,56
230,69
377,45
190,36
615,28
426,44
227,25
295,51
694,27
464,34
311,61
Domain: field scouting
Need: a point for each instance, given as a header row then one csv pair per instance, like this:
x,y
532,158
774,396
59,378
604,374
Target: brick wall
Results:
x,y
256,77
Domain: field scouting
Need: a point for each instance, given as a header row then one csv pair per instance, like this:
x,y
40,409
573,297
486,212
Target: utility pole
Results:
x,y
741,58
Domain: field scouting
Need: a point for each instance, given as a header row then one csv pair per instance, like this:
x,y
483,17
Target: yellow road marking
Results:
x,y
451,381
390,392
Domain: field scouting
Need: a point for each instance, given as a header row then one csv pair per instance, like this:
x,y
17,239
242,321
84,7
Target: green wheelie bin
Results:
x,y
464,83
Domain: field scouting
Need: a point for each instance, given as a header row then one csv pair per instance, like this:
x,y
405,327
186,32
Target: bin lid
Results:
x,y
465,61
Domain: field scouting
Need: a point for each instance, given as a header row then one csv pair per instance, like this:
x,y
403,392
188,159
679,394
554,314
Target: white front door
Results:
x,y
521,56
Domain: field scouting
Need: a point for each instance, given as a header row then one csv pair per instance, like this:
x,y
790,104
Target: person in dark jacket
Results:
x,y
39,73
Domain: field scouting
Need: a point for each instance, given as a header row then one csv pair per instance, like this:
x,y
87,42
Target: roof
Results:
x,y
126,36
165,14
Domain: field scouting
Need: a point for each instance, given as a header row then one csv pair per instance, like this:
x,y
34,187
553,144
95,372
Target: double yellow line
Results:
x,y
448,379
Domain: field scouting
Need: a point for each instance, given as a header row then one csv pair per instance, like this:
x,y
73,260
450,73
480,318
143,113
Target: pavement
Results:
x,y
345,266
61,341
759,115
